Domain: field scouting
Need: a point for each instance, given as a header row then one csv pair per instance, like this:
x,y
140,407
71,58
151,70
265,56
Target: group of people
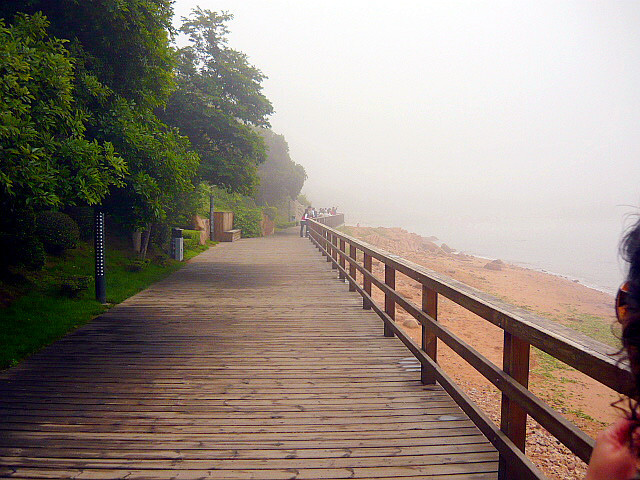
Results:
x,y
328,211
311,212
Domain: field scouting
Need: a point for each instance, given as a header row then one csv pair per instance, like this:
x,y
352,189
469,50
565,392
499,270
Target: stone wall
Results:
x,y
267,226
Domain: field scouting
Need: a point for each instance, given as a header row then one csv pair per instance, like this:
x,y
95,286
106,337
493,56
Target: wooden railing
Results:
x,y
332,221
522,330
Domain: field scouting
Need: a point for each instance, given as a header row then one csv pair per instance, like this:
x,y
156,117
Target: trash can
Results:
x,y
177,244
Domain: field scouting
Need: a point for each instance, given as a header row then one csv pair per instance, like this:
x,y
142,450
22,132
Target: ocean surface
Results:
x,y
583,250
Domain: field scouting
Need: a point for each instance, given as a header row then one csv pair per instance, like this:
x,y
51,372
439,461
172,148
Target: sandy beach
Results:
x,y
582,400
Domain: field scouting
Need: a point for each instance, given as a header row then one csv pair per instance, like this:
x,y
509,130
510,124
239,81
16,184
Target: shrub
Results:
x,y
19,245
72,287
283,225
271,212
248,220
83,216
21,249
32,253
161,260
191,235
137,265
190,239
57,231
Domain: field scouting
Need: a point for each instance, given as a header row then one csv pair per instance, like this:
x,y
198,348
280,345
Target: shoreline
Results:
x,y
519,263
578,306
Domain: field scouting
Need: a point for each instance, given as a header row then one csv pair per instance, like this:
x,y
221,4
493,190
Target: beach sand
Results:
x,y
582,400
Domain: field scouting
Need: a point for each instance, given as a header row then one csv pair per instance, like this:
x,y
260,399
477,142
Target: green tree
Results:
x,y
46,159
280,177
125,69
124,43
218,100
161,163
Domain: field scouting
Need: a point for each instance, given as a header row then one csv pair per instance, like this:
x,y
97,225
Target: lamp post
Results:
x,y
211,220
100,277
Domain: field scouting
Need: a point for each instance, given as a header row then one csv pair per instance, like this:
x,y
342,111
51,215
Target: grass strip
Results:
x,y
42,315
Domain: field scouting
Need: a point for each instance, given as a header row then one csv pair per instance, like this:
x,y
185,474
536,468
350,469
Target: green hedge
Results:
x,y
248,220
57,231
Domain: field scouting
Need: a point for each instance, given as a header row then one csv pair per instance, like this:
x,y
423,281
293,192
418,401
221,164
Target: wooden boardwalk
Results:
x,y
252,362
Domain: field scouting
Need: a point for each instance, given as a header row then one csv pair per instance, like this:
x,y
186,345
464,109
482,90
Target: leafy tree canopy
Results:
x,y
161,162
124,43
124,67
46,160
69,105
280,177
219,97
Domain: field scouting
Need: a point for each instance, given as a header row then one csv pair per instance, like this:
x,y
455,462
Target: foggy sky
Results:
x,y
466,109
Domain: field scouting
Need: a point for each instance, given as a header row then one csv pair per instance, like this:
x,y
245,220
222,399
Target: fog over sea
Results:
x,y
583,249
507,129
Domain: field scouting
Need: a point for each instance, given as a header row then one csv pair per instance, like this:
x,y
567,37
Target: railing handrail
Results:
x,y
521,328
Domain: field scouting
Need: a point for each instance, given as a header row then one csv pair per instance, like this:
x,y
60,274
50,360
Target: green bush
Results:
x,y
57,231
160,238
191,235
137,265
271,212
248,220
191,239
32,254
19,245
72,287
283,225
83,216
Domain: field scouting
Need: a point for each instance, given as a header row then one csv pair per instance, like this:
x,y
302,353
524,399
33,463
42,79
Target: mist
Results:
x,y
479,123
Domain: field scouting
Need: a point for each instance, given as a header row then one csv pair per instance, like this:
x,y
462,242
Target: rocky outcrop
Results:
x,y
201,224
446,248
494,265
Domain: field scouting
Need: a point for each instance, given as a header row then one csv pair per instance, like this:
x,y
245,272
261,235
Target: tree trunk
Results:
x,y
145,242
136,238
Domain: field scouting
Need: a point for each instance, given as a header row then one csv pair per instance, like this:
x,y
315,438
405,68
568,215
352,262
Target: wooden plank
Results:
x,y
389,302
341,275
513,418
429,338
252,362
368,266
352,269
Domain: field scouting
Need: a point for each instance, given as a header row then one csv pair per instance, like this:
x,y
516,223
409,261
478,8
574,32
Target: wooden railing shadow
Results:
x,y
521,331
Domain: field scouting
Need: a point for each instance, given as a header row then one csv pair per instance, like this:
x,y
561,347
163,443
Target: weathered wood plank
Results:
x,y
252,362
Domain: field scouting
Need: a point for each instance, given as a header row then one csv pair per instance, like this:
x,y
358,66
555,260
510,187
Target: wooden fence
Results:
x,y
332,221
521,331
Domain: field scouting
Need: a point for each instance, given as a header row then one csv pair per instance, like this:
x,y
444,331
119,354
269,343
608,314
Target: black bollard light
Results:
x,y
211,220
101,279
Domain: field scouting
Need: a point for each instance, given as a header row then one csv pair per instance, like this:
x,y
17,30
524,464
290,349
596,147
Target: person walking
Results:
x,y
303,223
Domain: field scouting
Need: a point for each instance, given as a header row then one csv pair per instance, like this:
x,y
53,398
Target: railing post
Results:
x,y
368,262
324,242
353,253
342,262
329,246
313,232
334,251
319,235
429,339
513,418
389,302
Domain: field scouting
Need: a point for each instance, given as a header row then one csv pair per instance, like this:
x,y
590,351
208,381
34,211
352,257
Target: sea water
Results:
x,y
579,249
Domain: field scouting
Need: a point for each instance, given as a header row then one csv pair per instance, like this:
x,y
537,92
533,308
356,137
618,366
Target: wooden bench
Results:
x,y
231,235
